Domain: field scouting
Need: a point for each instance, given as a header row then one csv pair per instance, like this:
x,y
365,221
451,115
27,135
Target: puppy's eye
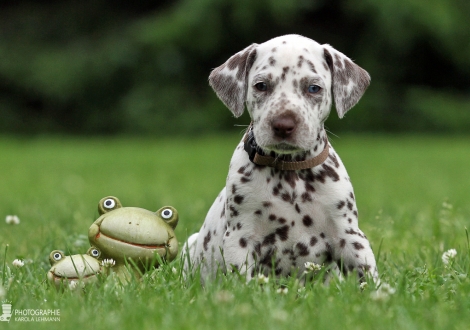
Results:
x,y
261,86
313,89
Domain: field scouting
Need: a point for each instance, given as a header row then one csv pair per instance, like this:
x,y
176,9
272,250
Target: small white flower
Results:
x,y
363,285
174,271
108,263
448,256
18,263
12,220
282,290
262,279
311,267
383,292
73,285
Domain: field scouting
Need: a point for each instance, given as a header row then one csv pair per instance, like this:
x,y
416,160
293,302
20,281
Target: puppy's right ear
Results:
x,y
229,80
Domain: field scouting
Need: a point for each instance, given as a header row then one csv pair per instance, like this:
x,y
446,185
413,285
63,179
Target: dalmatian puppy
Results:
x,y
288,199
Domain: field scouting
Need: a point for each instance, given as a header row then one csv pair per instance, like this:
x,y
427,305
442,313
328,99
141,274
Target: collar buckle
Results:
x,y
250,145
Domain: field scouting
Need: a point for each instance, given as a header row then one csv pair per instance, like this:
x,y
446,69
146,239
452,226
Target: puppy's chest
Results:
x,y
274,206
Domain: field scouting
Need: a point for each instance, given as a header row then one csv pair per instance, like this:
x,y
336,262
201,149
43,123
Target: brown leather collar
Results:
x,y
256,156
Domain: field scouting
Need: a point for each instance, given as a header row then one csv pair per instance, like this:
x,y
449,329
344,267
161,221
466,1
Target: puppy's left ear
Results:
x,y
349,80
229,80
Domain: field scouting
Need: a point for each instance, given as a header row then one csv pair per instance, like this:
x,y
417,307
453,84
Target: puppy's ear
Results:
x,y
229,80
349,80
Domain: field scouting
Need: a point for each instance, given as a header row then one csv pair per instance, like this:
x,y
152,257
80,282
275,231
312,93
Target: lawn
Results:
x,y
412,194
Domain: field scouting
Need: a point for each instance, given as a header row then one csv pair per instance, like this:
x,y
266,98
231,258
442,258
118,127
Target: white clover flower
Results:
x,y
73,285
262,279
311,267
12,220
18,263
383,292
108,263
301,290
174,270
363,285
448,256
282,290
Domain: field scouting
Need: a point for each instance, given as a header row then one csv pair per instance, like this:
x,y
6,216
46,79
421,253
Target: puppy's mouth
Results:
x,y
283,148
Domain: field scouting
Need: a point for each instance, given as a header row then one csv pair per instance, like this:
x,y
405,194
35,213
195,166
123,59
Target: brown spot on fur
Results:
x,y
241,170
291,177
358,246
334,159
238,199
270,239
285,70
207,239
222,214
311,66
283,232
286,197
234,212
307,221
309,187
306,197
313,241
303,249
297,208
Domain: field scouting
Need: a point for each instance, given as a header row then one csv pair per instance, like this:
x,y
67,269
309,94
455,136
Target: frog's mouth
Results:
x,y
72,278
145,246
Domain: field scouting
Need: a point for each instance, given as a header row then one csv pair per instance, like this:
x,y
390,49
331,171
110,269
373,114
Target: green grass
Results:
x,y
412,195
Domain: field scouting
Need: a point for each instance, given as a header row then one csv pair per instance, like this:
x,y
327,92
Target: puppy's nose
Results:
x,y
283,126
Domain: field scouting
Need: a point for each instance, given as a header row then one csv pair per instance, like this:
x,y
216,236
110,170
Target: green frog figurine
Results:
x,y
133,237
77,269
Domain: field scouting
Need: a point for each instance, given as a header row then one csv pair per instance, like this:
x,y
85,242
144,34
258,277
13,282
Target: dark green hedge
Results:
x,y
108,67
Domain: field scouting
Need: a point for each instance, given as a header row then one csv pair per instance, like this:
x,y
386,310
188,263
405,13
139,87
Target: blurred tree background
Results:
x,y
111,67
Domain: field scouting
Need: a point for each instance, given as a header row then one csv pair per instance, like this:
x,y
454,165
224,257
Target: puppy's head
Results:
x,y
288,85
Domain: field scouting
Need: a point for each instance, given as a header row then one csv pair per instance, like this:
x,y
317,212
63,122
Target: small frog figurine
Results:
x,y
68,271
134,236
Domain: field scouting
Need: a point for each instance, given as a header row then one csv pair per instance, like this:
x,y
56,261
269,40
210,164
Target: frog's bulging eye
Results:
x,y
167,213
57,256
95,253
109,203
